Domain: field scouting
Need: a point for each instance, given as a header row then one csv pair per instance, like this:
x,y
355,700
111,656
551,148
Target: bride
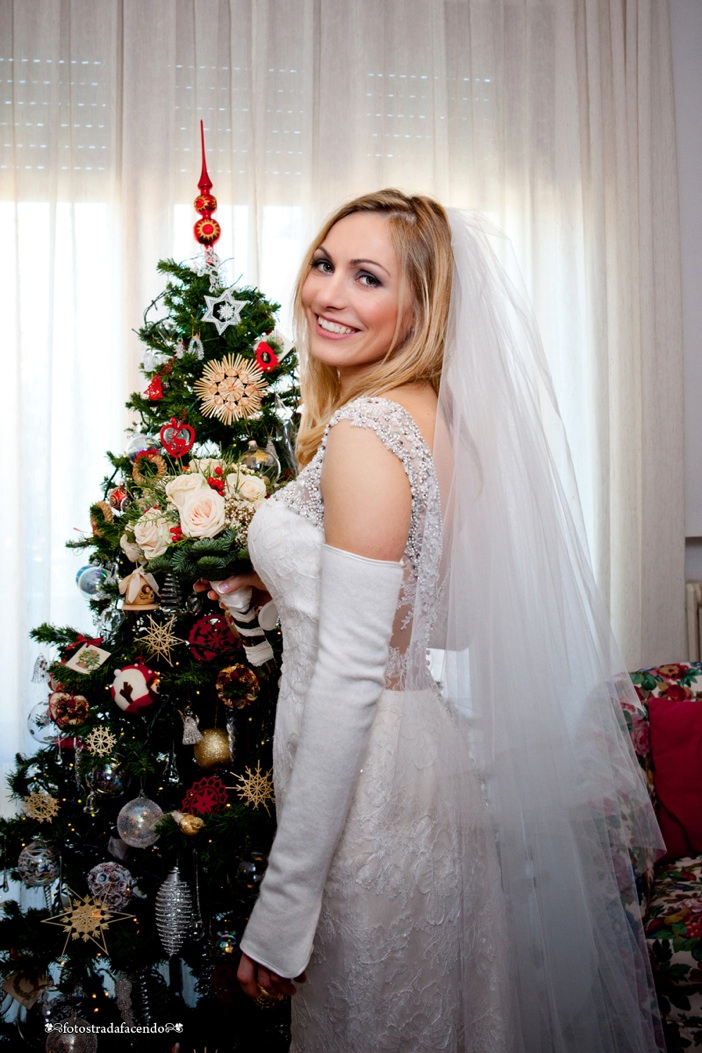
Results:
x,y
452,866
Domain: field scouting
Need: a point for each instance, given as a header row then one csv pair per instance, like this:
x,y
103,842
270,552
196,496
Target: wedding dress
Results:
x,y
481,897
387,973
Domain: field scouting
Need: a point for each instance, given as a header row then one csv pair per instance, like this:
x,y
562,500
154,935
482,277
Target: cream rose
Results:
x,y
251,487
152,532
130,549
181,489
202,513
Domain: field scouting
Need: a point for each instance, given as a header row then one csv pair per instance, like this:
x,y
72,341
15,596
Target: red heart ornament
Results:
x,y
177,437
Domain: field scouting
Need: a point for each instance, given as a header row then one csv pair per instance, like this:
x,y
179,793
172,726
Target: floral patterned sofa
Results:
x,y
666,731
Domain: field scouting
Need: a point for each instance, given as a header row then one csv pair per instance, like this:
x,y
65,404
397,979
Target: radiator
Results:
x,y
693,591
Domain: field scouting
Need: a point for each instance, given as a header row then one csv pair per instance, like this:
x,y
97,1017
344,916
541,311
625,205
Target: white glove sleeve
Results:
x,y
358,599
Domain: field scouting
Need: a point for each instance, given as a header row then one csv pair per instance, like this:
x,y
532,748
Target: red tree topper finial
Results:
x,y
207,230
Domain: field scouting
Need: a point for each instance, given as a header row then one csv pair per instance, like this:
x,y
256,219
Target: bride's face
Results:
x,y
351,295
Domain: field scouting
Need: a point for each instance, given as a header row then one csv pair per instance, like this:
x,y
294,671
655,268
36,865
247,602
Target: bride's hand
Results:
x,y
249,580
256,979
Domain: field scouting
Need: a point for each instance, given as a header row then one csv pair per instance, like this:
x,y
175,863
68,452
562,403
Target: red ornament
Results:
x,y
211,637
117,497
155,389
205,796
177,437
206,230
266,357
205,203
135,687
66,710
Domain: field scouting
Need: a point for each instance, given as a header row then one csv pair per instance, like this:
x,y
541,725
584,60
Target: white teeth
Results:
x,y
332,327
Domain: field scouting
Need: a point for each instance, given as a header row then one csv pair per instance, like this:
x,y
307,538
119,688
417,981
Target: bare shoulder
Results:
x,y
367,497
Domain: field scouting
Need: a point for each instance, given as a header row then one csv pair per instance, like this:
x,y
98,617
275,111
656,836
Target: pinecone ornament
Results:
x,y
171,595
174,912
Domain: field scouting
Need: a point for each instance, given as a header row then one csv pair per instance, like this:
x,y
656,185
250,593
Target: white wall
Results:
x,y
686,26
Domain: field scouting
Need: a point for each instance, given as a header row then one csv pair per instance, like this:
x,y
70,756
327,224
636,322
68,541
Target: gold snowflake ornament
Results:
x,y
160,639
256,787
86,919
41,806
230,389
101,742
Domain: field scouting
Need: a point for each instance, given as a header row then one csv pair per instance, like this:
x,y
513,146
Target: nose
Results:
x,y
332,291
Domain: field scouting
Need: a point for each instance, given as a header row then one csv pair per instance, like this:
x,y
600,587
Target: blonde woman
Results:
x,y
451,870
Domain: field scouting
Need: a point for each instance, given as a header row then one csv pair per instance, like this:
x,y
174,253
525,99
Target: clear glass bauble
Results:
x,y
249,874
38,864
136,822
106,777
71,1036
138,443
90,580
261,459
41,727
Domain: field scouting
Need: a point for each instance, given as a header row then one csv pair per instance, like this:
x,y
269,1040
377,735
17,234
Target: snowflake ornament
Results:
x,y
230,389
256,787
223,310
41,806
101,742
86,919
160,639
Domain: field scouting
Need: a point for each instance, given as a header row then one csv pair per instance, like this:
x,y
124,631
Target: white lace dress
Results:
x,y
406,950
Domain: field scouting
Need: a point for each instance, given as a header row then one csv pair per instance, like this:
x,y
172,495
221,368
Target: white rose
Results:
x,y
153,533
251,487
130,549
202,513
183,486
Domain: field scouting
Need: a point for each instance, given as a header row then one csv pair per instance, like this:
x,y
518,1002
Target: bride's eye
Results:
x,y
323,265
369,280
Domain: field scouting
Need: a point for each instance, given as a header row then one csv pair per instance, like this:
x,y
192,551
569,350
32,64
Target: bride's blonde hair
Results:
x,y
422,240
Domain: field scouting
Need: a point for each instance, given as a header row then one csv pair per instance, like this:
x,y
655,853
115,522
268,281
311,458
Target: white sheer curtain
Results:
x,y
556,118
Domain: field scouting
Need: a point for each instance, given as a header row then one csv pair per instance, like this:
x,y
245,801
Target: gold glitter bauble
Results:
x,y
191,824
213,748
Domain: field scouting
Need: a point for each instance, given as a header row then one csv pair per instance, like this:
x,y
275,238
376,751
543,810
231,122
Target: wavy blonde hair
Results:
x,y
421,237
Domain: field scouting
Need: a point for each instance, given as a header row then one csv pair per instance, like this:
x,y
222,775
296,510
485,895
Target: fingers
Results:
x,y
246,975
274,984
256,980
241,581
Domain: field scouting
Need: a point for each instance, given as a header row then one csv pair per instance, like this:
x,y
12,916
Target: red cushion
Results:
x,y
676,750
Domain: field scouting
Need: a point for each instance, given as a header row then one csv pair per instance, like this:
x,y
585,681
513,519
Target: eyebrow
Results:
x,y
355,263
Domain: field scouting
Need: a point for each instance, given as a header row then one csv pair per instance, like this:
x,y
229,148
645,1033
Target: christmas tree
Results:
x,y
147,812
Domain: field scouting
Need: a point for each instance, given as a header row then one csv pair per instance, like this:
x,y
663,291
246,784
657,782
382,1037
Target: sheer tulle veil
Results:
x,y
529,667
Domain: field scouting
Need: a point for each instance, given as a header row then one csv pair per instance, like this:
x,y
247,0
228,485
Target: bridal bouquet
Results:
x,y
194,523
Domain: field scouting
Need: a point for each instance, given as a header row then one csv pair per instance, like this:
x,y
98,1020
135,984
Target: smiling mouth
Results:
x,y
334,327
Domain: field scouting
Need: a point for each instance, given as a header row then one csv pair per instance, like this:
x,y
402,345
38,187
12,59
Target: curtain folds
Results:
x,y
555,118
